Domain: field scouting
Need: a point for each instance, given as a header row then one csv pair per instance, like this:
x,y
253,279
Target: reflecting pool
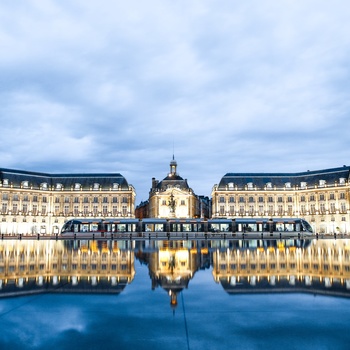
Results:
x,y
166,294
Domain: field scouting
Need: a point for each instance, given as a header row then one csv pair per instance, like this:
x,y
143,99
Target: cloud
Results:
x,y
233,86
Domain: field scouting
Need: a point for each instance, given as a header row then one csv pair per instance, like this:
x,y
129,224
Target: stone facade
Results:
x,y
39,203
321,197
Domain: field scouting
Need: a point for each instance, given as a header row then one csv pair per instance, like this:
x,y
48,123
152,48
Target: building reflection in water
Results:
x,y
241,266
65,266
172,264
319,266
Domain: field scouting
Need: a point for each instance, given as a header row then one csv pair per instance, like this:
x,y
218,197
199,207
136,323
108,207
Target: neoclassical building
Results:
x,y
172,197
321,197
39,203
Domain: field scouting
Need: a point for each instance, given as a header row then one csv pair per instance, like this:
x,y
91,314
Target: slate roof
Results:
x,y
173,180
280,179
35,179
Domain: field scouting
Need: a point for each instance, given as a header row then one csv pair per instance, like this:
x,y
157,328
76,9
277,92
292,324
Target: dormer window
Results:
x,y
288,185
115,186
43,186
77,186
342,181
250,185
322,183
5,182
230,185
96,186
25,184
268,185
303,185
59,187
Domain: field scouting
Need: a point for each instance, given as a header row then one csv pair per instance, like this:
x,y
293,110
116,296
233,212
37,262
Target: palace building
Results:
x,y
172,197
321,197
40,203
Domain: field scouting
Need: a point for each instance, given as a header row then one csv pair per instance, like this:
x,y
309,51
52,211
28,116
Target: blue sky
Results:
x,y
231,86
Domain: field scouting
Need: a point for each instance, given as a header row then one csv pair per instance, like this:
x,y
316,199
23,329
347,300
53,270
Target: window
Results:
x,y
114,210
342,195
14,208
115,200
343,207
270,199
333,208
76,210
321,197
289,199
66,210
261,199
86,199
95,200
331,196
5,196
222,210
66,199
95,210
302,199
86,210
15,197
24,208
105,200
35,209
303,209
251,199
232,210
35,198
312,198
163,202
313,209
44,199
104,210
57,200
43,210
280,210
57,210
232,199
125,200
280,199
25,198
241,199
124,210
76,199
221,199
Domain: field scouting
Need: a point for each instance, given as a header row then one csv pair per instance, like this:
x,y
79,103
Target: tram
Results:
x,y
108,227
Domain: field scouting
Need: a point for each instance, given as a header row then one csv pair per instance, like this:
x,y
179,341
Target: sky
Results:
x,y
112,86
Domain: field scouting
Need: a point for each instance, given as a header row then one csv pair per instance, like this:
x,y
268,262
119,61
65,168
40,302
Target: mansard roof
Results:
x,y
173,180
279,180
36,179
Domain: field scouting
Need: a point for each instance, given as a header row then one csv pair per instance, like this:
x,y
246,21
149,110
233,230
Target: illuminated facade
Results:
x,y
37,266
172,197
320,266
38,203
321,197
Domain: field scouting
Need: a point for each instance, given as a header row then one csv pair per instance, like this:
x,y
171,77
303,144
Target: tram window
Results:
x,y
297,227
84,227
186,227
158,227
214,228
251,228
175,227
94,227
289,227
279,227
149,227
121,228
225,227
131,228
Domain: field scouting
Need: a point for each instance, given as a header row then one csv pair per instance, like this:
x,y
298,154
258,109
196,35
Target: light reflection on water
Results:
x,y
175,294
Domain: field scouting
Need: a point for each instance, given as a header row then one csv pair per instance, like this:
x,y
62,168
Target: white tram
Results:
x,y
113,227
